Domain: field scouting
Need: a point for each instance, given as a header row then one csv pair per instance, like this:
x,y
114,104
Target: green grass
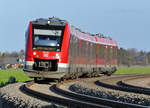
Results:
x,y
18,74
133,70
21,76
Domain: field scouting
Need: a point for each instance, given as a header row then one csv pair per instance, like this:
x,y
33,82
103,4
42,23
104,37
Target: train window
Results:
x,y
71,45
104,51
108,53
82,48
89,50
82,45
93,53
86,51
74,47
111,53
47,37
78,47
101,51
114,52
94,50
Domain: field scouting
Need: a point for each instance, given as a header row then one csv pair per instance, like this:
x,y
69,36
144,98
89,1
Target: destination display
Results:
x,y
47,32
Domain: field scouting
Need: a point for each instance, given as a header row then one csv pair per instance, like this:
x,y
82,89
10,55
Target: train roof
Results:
x,y
50,21
106,41
93,37
96,38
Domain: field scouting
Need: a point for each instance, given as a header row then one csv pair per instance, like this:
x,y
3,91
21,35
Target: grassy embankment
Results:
x,y
21,76
18,74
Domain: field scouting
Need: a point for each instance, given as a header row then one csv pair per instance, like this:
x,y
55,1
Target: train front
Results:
x,y
47,42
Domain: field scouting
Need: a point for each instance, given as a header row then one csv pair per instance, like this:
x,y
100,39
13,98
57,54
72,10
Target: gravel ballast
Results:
x,y
84,88
12,97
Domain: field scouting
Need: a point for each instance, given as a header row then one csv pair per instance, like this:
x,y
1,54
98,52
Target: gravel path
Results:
x,y
12,97
86,87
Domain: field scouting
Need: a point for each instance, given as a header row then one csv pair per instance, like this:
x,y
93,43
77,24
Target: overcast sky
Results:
x,y
127,21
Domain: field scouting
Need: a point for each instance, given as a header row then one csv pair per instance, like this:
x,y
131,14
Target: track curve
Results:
x,y
61,98
72,99
120,83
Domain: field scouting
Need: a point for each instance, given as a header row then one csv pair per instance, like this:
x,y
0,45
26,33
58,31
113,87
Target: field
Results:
x,y
18,74
133,70
21,76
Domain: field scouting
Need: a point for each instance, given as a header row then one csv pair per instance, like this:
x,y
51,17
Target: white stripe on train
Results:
x,y
65,65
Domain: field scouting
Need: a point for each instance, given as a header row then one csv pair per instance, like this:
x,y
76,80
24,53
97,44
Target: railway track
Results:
x,y
55,93
121,83
135,88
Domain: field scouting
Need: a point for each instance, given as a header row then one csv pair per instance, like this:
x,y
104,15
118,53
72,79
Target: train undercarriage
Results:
x,y
51,70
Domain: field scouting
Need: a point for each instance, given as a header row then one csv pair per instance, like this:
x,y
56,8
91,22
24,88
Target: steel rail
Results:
x,y
125,87
69,102
134,88
96,100
76,100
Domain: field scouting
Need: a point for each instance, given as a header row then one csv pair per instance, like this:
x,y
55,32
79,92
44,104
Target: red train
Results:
x,y
57,50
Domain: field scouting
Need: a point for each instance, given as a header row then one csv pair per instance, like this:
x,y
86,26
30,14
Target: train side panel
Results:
x,y
107,57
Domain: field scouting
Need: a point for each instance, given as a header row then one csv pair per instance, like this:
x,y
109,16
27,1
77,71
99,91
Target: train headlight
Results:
x,y
57,56
49,22
34,53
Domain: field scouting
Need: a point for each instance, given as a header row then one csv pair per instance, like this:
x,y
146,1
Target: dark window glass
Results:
x,y
47,37
74,46
78,47
93,51
71,45
82,48
108,53
89,52
114,52
101,51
